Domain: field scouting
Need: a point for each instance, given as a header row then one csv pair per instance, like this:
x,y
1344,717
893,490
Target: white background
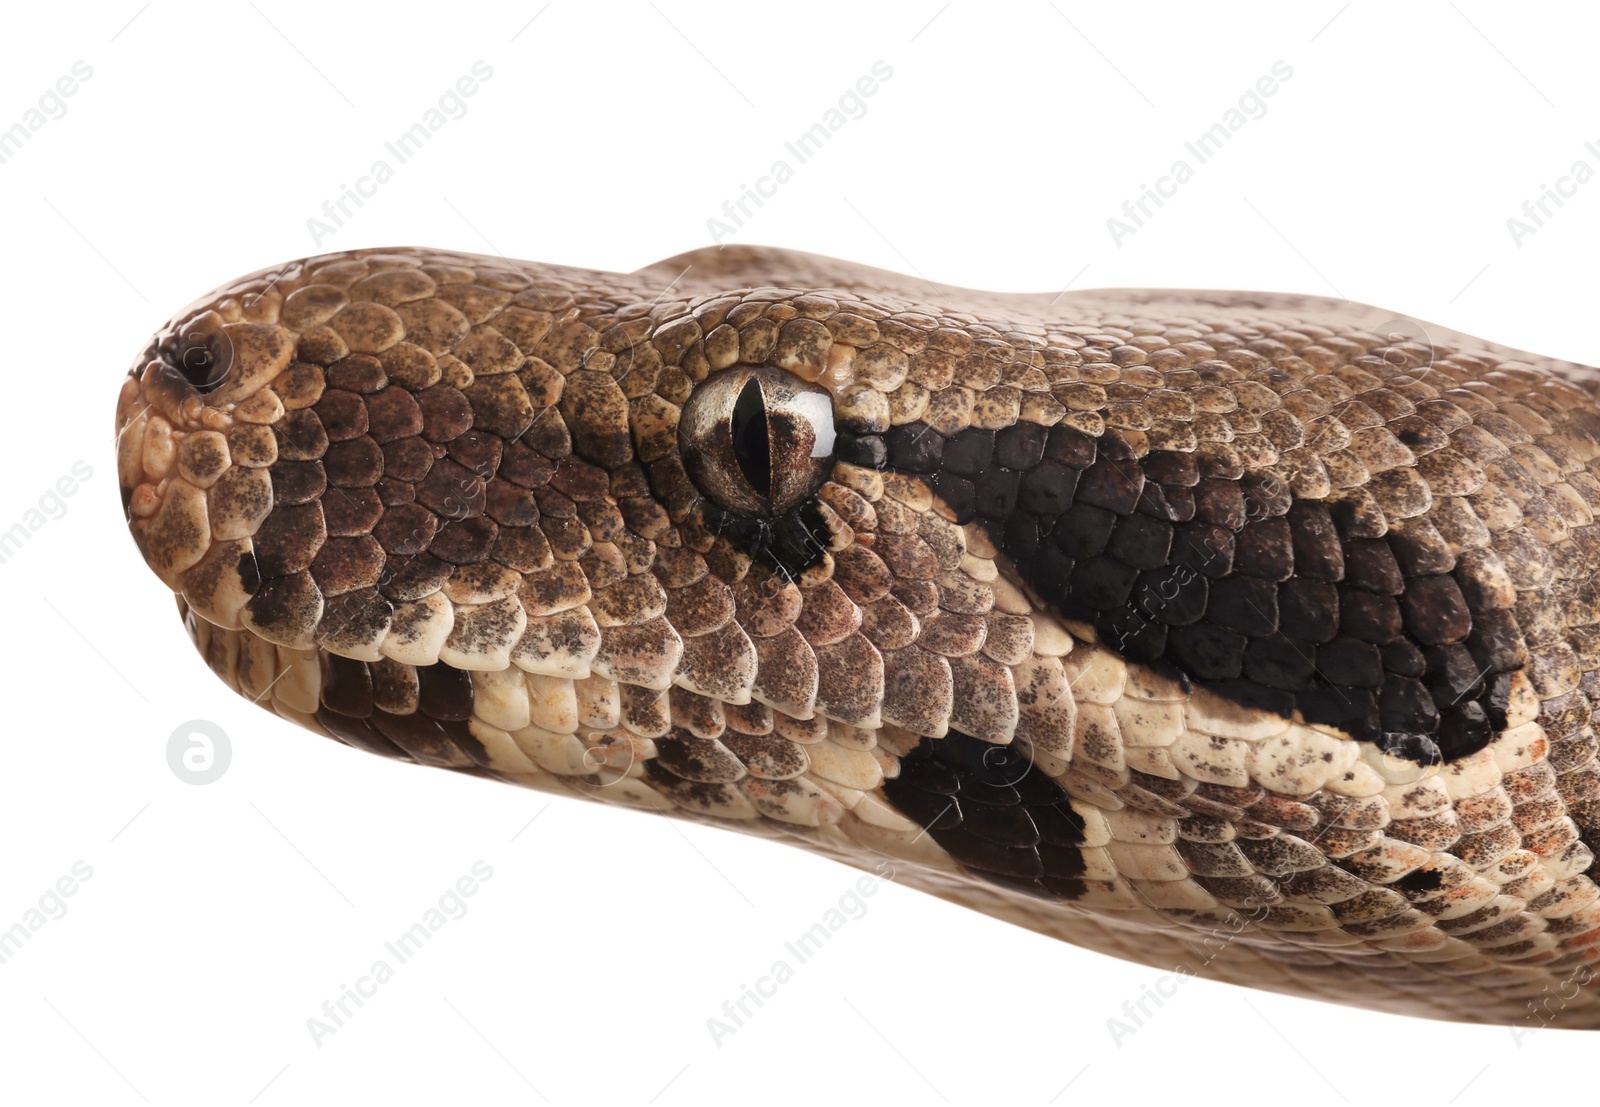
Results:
x,y
220,918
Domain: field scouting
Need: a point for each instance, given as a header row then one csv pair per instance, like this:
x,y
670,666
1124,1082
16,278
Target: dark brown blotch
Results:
x,y
521,464
406,530
346,564
394,493
579,480
444,693
477,450
452,490
357,463
392,413
286,608
343,414
300,436
445,413
500,405
346,686
407,459
465,541
1435,610
548,435
289,538
361,373
354,511
411,578
297,482
510,505
426,741
359,734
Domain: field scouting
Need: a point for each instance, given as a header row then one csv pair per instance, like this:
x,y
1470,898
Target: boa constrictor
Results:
x,y
1251,635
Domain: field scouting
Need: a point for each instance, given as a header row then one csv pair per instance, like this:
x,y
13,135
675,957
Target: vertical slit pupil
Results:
x,y
750,446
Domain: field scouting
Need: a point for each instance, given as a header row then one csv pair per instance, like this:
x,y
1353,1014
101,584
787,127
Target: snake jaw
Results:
x,y
1034,624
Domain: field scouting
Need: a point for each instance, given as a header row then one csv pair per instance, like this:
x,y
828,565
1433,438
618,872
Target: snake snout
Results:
x,y
193,432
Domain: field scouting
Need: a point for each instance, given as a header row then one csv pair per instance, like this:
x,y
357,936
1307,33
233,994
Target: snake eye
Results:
x,y
757,439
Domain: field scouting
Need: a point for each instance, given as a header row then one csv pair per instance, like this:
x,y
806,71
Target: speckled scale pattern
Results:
x,y
1131,617
1387,629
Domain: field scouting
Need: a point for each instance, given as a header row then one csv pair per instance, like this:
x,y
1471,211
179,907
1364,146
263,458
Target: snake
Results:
x,y
1247,635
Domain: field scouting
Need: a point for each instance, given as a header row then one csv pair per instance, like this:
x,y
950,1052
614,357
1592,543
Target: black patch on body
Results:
x,y
1267,600
991,810
436,731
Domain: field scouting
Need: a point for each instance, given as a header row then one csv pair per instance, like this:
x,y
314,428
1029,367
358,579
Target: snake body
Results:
x,y
1248,635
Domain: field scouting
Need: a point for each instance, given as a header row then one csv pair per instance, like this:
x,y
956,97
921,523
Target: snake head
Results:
x,y
1154,621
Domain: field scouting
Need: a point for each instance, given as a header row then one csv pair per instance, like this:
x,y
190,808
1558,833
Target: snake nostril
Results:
x,y
199,350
